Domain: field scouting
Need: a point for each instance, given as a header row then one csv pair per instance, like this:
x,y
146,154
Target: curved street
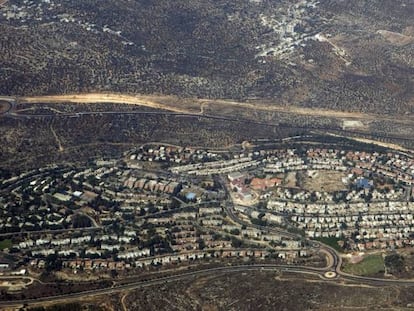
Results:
x,y
320,272
331,273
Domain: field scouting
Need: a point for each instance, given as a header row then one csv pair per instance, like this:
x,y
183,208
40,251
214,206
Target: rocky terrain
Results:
x,y
265,291
253,291
218,74
342,55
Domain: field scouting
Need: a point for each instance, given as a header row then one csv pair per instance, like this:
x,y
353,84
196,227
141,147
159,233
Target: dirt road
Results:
x,y
96,98
200,106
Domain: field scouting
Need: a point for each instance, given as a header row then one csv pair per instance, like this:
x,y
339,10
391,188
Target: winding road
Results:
x,y
320,272
176,104
212,109
331,273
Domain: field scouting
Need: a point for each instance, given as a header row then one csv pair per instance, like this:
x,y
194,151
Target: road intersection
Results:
x,y
331,273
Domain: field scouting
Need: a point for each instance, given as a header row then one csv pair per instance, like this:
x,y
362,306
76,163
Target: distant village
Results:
x,y
163,205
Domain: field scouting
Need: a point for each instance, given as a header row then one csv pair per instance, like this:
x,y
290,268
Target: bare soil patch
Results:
x,y
4,106
290,180
328,181
395,37
198,106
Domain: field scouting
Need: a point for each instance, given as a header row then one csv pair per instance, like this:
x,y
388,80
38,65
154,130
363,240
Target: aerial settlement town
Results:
x,y
159,206
208,155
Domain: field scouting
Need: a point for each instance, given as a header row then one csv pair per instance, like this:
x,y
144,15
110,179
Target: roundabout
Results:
x,y
330,275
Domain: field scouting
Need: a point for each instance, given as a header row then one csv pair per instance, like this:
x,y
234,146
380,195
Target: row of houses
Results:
x,y
229,253
172,154
340,209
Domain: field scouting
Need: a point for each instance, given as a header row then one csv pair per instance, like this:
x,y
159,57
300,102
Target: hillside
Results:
x,y
340,55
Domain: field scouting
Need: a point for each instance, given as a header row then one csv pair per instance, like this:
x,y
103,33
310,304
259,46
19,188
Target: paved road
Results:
x,y
320,272
334,260
167,279
202,114
229,208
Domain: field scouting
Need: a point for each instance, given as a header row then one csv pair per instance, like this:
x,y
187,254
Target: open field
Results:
x,y
370,265
290,180
395,37
328,181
